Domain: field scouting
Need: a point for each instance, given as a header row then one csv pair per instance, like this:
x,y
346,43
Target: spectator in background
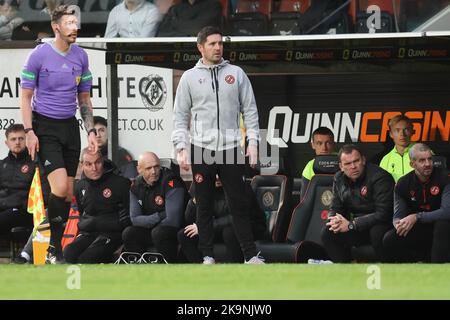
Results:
x,y
164,5
16,175
124,160
104,205
361,210
133,19
421,212
158,199
9,19
397,161
323,145
32,30
125,166
187,18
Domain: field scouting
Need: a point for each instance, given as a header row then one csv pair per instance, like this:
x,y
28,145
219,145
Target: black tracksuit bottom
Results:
x,y
338,245
93,248
164,238
424,242
232,177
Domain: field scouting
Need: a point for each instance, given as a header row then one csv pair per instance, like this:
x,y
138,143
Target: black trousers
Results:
x,y
93,248
232,177
189,246
338,245
164,238
10,219
425,242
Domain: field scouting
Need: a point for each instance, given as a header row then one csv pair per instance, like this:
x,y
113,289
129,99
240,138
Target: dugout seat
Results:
x,y
297,188
273,197
307,219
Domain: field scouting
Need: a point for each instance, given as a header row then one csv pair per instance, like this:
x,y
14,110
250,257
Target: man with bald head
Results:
x,y
158,199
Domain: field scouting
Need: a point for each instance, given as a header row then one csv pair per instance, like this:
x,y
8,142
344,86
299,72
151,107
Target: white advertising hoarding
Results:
x,y
145,101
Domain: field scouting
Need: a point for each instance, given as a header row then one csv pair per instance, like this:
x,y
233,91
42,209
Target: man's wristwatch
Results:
x,y
28,130
351,226
92,130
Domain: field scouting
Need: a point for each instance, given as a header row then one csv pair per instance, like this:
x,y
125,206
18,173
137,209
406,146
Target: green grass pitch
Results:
x,y
233,281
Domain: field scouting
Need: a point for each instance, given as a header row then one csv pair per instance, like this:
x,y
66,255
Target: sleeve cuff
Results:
x,y
180,145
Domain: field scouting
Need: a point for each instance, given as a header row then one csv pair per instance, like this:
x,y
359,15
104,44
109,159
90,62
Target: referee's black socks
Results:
x,y
58,212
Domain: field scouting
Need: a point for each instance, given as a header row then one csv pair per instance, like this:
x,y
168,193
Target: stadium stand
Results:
x,y
286,21
251,18
390,10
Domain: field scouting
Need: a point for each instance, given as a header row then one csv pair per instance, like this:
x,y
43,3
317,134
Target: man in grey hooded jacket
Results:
x,y
209,100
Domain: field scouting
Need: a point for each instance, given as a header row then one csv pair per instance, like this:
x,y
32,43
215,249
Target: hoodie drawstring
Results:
x,y
215,79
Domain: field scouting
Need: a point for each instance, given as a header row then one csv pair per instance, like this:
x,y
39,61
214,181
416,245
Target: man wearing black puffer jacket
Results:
x,y
362,207
158,199
16,175
103,202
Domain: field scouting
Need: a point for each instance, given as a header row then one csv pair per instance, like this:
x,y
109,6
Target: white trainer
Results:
x,y
256,260
208,260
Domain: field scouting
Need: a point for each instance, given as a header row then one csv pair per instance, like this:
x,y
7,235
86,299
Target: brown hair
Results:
x,y
61,11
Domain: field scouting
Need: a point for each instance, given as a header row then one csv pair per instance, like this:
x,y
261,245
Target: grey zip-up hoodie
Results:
x,y
208,103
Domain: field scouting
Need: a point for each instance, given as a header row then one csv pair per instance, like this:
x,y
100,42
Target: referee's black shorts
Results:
x,y
59,143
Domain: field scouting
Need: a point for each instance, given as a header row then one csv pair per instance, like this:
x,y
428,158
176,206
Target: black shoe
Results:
x,y
54,257
20,260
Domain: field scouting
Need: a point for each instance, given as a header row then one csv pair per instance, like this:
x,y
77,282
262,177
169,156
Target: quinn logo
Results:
x,y
153,92
284,126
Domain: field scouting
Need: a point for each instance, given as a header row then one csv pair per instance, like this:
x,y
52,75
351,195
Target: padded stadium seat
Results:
x,y
251,18
311,214
286,21
307,219
387,23
389,6
389,9
273,194
225,12
297,188
322,165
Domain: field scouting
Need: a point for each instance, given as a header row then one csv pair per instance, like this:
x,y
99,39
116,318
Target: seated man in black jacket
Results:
x,y
158,199
223,226
103,201
421,212
362,207
16,175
